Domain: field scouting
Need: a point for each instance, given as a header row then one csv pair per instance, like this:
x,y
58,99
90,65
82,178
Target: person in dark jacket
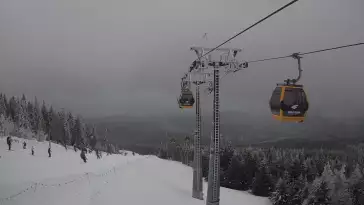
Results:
x,y
83,155
284,107
49,152
9,141
24,145
33,150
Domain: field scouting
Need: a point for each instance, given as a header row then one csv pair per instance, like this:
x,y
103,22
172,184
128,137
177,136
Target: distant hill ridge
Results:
x,y
240,128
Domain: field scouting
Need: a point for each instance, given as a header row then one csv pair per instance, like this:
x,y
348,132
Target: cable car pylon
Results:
x,y
204,62
197,182
197,187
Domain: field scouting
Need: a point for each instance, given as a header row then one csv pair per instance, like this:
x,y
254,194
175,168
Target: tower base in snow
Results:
x,y
212,203
197,195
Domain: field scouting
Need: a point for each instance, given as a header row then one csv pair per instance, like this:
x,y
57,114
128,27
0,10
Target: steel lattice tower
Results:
x,y
197,165
213,192
202,63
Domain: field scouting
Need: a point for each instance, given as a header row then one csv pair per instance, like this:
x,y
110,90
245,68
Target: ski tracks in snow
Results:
x,y
71,189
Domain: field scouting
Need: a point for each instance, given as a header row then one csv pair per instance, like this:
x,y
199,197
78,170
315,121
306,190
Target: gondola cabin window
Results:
x,y
275,101
295,100
290,96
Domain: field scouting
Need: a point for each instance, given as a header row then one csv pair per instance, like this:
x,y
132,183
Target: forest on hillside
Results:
x,y
286,176
306,176
30,120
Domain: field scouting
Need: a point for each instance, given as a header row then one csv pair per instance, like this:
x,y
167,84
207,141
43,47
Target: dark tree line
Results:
x,y
32,120
175,150
292,176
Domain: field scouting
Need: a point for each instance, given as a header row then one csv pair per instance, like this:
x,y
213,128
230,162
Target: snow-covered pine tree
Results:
x,y
311,172
250,167
65,128
2,125
45,117
2,105
329,177
356,175
286,176
30,114
319,194
298,190
304,194
84,139
50,116
7,106
233,176
24,119
225,160
296,169
262,183
17,114
37,118
71,124
281,194
57,127
93,139
20,118
357,192
88,133
2,114
77,132
12,109
341,194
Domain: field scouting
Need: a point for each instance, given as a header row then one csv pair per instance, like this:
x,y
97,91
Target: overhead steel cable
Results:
x,y
306,53
243,31
290,56
328,49
268,59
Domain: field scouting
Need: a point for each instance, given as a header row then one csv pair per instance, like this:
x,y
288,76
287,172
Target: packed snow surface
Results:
x,y
116,179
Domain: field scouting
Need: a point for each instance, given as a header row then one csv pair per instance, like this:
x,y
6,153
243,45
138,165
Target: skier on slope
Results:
x,y
49,152
24,145
83,155
9,141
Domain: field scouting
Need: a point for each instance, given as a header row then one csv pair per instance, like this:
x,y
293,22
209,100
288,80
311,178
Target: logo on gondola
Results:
x,y
294,107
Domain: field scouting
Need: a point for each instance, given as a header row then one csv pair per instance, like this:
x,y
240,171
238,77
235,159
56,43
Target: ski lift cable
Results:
x,y
250,27
241,32
307,53
299,54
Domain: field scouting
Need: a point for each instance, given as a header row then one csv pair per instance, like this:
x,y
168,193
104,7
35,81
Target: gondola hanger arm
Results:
x,y
298,57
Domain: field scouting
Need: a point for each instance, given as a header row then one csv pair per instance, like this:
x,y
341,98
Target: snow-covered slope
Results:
x,y
116,179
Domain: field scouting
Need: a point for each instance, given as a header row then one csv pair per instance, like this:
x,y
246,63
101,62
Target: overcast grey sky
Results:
x,y
113,57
